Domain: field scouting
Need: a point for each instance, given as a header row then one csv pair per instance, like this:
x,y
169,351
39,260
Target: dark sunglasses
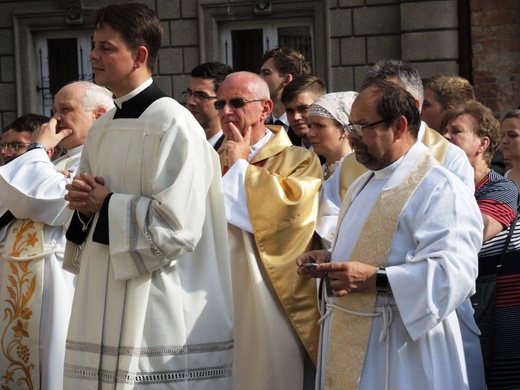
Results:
x,y
235,103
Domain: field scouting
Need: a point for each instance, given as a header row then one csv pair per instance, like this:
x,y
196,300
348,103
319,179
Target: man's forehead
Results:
x,y
364,105
302,99
199,83
269,65
12,135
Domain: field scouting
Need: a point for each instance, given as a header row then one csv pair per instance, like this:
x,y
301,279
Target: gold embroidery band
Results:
x,y
350,332
20,305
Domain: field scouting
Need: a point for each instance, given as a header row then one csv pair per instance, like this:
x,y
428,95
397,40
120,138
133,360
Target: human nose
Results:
x,y
447,135
191,99
228,109
298,116
93,54
352,135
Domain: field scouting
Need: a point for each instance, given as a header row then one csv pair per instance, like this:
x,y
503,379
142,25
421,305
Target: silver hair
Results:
x,y
407,75
95,96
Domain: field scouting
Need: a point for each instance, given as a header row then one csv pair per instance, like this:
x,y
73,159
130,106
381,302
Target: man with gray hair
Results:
x,y
407,76
35,292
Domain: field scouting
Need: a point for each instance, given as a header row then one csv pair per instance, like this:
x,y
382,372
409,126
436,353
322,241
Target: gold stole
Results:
x,y
20,303
437,144
350,333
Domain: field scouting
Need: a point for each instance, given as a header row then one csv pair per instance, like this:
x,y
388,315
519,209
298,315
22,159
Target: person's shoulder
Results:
x,y
496,179
440,177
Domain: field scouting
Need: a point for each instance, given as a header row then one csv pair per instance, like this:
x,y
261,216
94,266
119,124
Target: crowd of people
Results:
x,y
267,235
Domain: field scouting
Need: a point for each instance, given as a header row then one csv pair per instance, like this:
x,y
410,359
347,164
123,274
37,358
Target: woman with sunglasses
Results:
x,y
328,117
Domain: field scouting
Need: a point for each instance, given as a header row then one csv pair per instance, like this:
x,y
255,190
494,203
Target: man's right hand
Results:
x,y
48,135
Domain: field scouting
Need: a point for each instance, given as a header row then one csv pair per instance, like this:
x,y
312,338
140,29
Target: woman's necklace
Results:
x,y
329,169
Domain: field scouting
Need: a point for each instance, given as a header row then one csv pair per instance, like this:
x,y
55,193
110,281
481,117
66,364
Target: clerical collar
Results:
x,y
138,101
119,101
422,130
254,149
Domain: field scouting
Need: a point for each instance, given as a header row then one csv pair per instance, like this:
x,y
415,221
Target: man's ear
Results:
x,y
99,111
50,153
401,126
287,79
141,56
267,107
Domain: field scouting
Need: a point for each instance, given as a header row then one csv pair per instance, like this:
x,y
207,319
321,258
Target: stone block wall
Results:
x,y
359,32
424,33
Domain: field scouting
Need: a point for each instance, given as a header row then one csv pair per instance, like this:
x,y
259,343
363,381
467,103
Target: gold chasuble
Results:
x,y
437,144
20,304
354,313
283,217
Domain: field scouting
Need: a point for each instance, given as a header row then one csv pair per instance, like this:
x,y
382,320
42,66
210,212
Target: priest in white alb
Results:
x,y
35,291
153,305
403,260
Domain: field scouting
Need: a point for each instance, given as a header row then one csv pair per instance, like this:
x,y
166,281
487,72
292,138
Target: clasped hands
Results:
x,y
86,194
345,277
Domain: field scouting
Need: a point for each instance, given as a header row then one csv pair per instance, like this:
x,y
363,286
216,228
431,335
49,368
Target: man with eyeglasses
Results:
x,y
404,259
201,94
271,192
450,157
36,292
17,135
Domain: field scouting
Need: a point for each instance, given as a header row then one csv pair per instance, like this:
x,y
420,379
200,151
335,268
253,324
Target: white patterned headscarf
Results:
x,y
334,105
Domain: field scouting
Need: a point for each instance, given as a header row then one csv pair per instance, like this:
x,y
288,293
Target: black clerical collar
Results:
x,y
134,107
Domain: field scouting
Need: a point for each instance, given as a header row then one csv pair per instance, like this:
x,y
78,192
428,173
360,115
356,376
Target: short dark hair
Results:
x,y
301,84
487,124
27,122
393,101
138,25
216,71
288,61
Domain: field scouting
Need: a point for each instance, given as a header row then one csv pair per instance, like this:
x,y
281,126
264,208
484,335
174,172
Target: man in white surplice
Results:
x,y
32,190
404,259
153,303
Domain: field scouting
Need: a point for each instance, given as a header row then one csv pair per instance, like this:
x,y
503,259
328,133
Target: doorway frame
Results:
x,y
213,13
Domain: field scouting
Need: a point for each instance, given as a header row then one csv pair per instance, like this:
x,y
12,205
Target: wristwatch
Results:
x,y
381,281
35,145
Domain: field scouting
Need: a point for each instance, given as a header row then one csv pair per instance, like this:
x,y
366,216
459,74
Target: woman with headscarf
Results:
x,y
328,117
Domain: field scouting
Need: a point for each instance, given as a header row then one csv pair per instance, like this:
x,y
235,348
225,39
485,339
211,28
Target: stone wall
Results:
x,y
359,32
424,33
